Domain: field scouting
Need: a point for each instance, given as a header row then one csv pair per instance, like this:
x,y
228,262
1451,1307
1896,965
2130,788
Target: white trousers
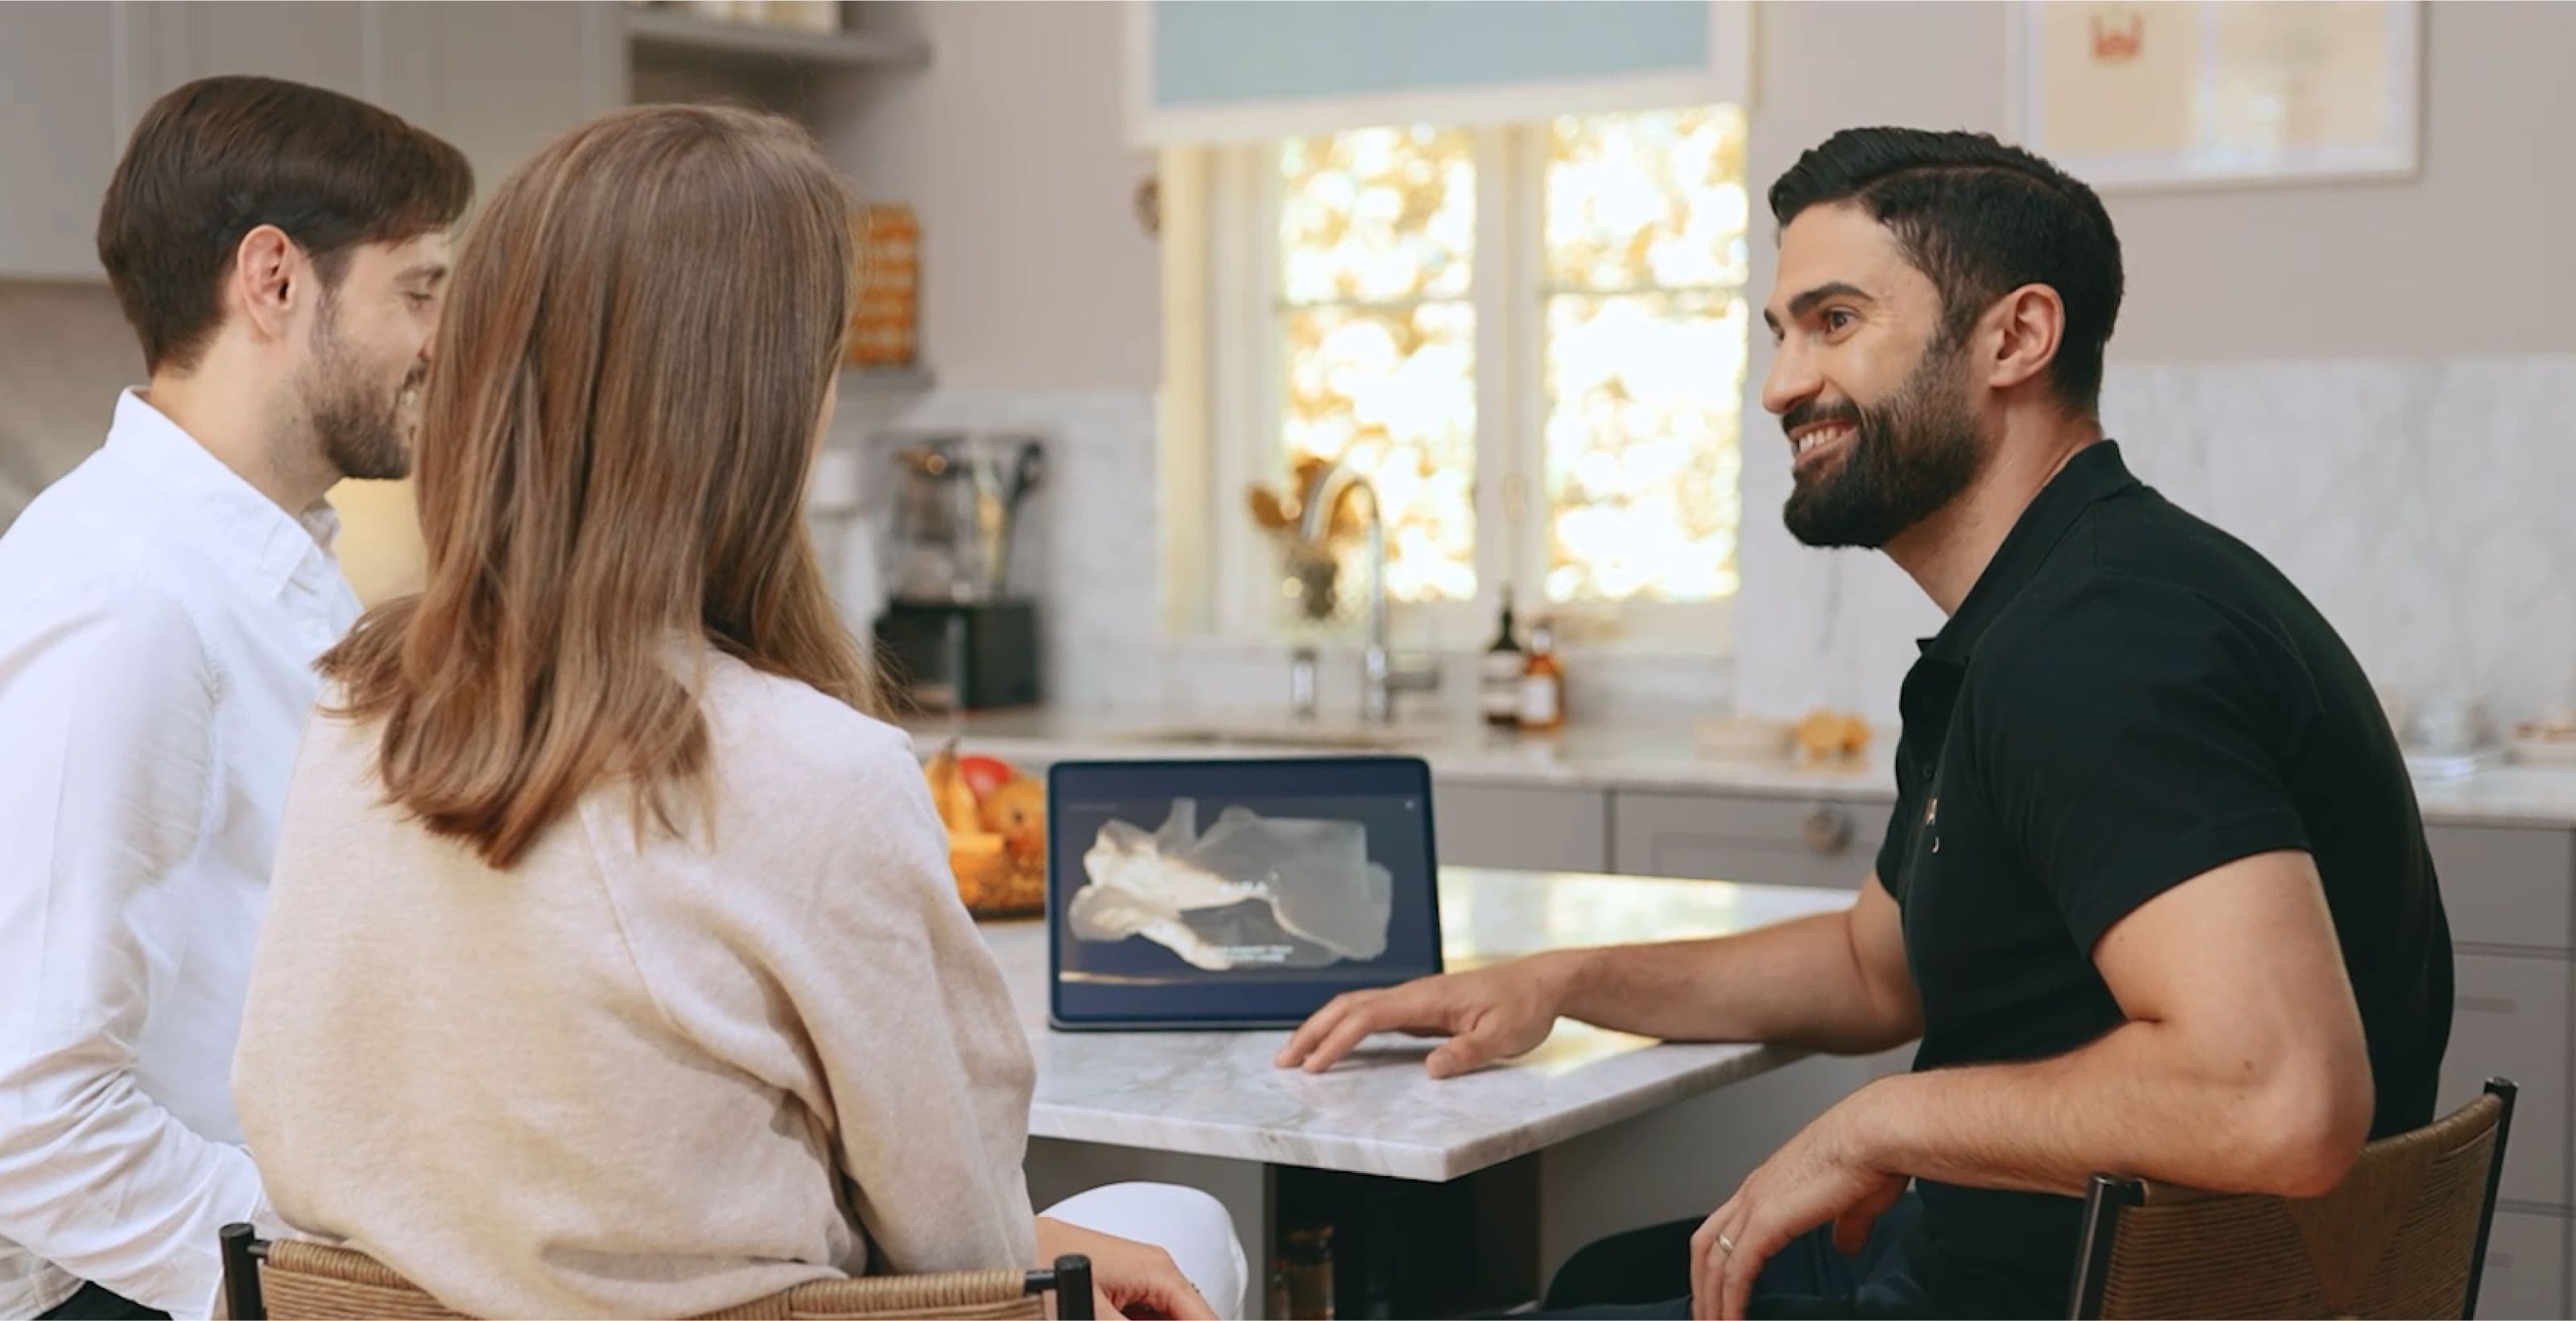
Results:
x,y
1187,1223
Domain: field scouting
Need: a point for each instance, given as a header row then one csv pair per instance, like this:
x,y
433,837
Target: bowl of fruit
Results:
x,y
996,819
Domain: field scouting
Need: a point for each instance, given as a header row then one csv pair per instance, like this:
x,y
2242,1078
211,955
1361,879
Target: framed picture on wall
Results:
x,y
2202,93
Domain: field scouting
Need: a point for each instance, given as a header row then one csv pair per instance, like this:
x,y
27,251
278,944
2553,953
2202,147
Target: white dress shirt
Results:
x,y
159,618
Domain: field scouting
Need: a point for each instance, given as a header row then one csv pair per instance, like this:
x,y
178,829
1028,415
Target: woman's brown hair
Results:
x,y
640,334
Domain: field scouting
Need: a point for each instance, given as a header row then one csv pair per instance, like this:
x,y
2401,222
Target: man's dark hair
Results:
x,y
219,157
1980,219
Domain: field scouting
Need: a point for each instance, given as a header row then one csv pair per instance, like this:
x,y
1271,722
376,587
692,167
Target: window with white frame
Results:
x,y
1529,339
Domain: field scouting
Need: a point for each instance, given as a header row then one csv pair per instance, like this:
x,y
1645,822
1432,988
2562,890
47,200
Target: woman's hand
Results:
x,y
1128,1279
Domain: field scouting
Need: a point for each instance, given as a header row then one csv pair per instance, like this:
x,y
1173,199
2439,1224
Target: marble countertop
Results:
x,y
1633,757
1218,1094
2505,796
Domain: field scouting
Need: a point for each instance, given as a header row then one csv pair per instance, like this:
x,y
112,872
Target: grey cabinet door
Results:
x,y
2526,1267
1763,841
340,47
64,114
497,79
1493,825
2506,885
2509,1019
501,78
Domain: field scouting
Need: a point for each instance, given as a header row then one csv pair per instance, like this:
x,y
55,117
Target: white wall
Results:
x,y
2469,258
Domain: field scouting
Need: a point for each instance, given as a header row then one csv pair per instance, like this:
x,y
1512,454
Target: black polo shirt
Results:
x,y
2126,699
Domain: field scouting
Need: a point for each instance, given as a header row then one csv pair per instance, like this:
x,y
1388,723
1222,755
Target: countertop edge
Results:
x,y
1729,1063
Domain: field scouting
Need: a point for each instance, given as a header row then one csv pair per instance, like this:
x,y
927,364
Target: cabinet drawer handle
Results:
x,y
1827,829
2486,1004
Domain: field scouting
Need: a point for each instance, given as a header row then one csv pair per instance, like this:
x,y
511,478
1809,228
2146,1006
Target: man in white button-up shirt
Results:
x,y
279,250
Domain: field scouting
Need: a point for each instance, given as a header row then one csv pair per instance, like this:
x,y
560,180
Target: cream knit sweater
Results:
x,y
637,1081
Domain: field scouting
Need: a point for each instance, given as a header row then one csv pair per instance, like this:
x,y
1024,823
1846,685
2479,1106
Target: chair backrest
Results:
x,y
2404,1235
289,1280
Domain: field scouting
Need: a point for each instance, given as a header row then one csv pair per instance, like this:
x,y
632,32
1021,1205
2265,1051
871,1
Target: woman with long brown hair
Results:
x,y
611,963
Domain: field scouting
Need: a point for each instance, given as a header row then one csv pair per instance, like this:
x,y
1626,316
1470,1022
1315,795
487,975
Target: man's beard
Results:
x,y
1908,456
361,427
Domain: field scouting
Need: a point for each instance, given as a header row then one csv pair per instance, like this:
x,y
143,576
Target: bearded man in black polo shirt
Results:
x,y
2155,895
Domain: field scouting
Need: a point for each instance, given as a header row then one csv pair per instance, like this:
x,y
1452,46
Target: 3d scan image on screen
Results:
x,y
1237,893
1251,891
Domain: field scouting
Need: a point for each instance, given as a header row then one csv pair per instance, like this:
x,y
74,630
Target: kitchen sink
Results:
x,y
1287,736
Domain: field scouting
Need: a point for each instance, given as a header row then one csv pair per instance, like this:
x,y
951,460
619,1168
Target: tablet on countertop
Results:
x,y
1234,893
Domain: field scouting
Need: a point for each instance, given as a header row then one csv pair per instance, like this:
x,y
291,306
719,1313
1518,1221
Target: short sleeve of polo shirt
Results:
x,y
2132,735
1890,867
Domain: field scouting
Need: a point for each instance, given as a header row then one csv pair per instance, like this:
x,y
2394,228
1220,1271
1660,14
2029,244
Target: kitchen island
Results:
x,y
1592,1132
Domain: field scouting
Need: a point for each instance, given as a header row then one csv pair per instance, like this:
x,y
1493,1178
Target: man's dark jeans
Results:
x,y
93,1303
1646,1273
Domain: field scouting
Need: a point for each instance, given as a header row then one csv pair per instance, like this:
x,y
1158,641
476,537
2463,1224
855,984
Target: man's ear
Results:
x,y
2029,323
267,281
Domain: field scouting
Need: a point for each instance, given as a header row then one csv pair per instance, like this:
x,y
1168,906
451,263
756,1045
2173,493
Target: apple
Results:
x,y
985,774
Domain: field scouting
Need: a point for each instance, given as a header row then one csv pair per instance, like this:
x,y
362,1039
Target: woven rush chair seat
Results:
x,y
2404,1234
289,1280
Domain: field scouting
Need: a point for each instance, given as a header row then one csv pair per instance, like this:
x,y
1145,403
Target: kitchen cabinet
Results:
x,y
496,79
337,46
2506,886
1757,839
2506,891
2509,1019
79,75
66,70
501,79
1546,828
2526,1269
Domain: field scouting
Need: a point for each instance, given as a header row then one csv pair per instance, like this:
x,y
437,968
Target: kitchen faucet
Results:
x,y
1380,677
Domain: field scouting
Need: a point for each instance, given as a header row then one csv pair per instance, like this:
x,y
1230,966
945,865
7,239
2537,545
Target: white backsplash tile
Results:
x,y
2427,507
1086,546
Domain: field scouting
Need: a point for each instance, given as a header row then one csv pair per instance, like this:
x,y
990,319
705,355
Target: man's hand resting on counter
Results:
x,y
1487,1014
1835,981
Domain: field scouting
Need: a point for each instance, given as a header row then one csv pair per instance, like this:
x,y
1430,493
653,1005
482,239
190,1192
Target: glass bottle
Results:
x,y
1542,705
1499,689
1301,1283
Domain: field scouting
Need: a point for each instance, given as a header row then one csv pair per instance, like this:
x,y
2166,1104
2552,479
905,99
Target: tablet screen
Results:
x,y
1235,893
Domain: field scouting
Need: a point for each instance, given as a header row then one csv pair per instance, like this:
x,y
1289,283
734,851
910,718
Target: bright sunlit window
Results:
x,y
1530,340
1644,327
1377,323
